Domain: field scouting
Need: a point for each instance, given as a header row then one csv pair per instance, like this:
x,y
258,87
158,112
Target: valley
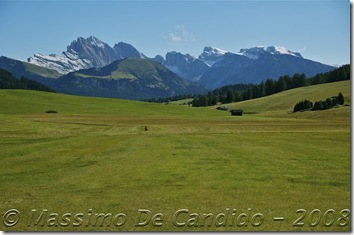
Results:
x,y
94,156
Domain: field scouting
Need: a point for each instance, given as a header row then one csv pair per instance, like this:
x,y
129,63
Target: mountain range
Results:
x,y
87,60
215,67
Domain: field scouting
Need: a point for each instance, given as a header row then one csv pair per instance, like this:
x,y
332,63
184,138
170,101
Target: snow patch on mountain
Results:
x,y
64,63
255,52
211,55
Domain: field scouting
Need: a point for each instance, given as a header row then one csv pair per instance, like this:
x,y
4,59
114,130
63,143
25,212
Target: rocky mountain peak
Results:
x,y
85,53
211,55
124,50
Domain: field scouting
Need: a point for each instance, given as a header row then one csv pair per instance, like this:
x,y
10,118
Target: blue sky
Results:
x,y
319,30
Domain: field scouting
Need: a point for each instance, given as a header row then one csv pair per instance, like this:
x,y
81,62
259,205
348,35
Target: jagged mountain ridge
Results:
x,y
85,53
236,69
188,66
214,67
211,55
185,66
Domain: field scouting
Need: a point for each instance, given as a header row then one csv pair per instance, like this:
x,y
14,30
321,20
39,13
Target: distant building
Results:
x,y
236,112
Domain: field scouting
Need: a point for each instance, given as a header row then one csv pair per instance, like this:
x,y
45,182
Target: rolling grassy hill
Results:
x,y
278,104
282,104
94,154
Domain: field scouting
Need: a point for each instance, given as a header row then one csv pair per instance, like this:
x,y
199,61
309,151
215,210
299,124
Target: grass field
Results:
x,y
241,173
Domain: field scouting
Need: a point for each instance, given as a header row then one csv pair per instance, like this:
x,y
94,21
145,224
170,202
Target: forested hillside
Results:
x,y
7,81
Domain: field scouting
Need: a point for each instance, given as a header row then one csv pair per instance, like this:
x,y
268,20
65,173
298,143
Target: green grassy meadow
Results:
x,y
94,156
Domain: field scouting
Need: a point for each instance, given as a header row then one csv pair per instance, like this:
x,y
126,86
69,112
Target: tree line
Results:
x,y
7,81
169,99
320,105
240,92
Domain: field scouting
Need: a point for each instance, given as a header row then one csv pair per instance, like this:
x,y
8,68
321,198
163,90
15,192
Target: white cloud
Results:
x,y
181,35
174,38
